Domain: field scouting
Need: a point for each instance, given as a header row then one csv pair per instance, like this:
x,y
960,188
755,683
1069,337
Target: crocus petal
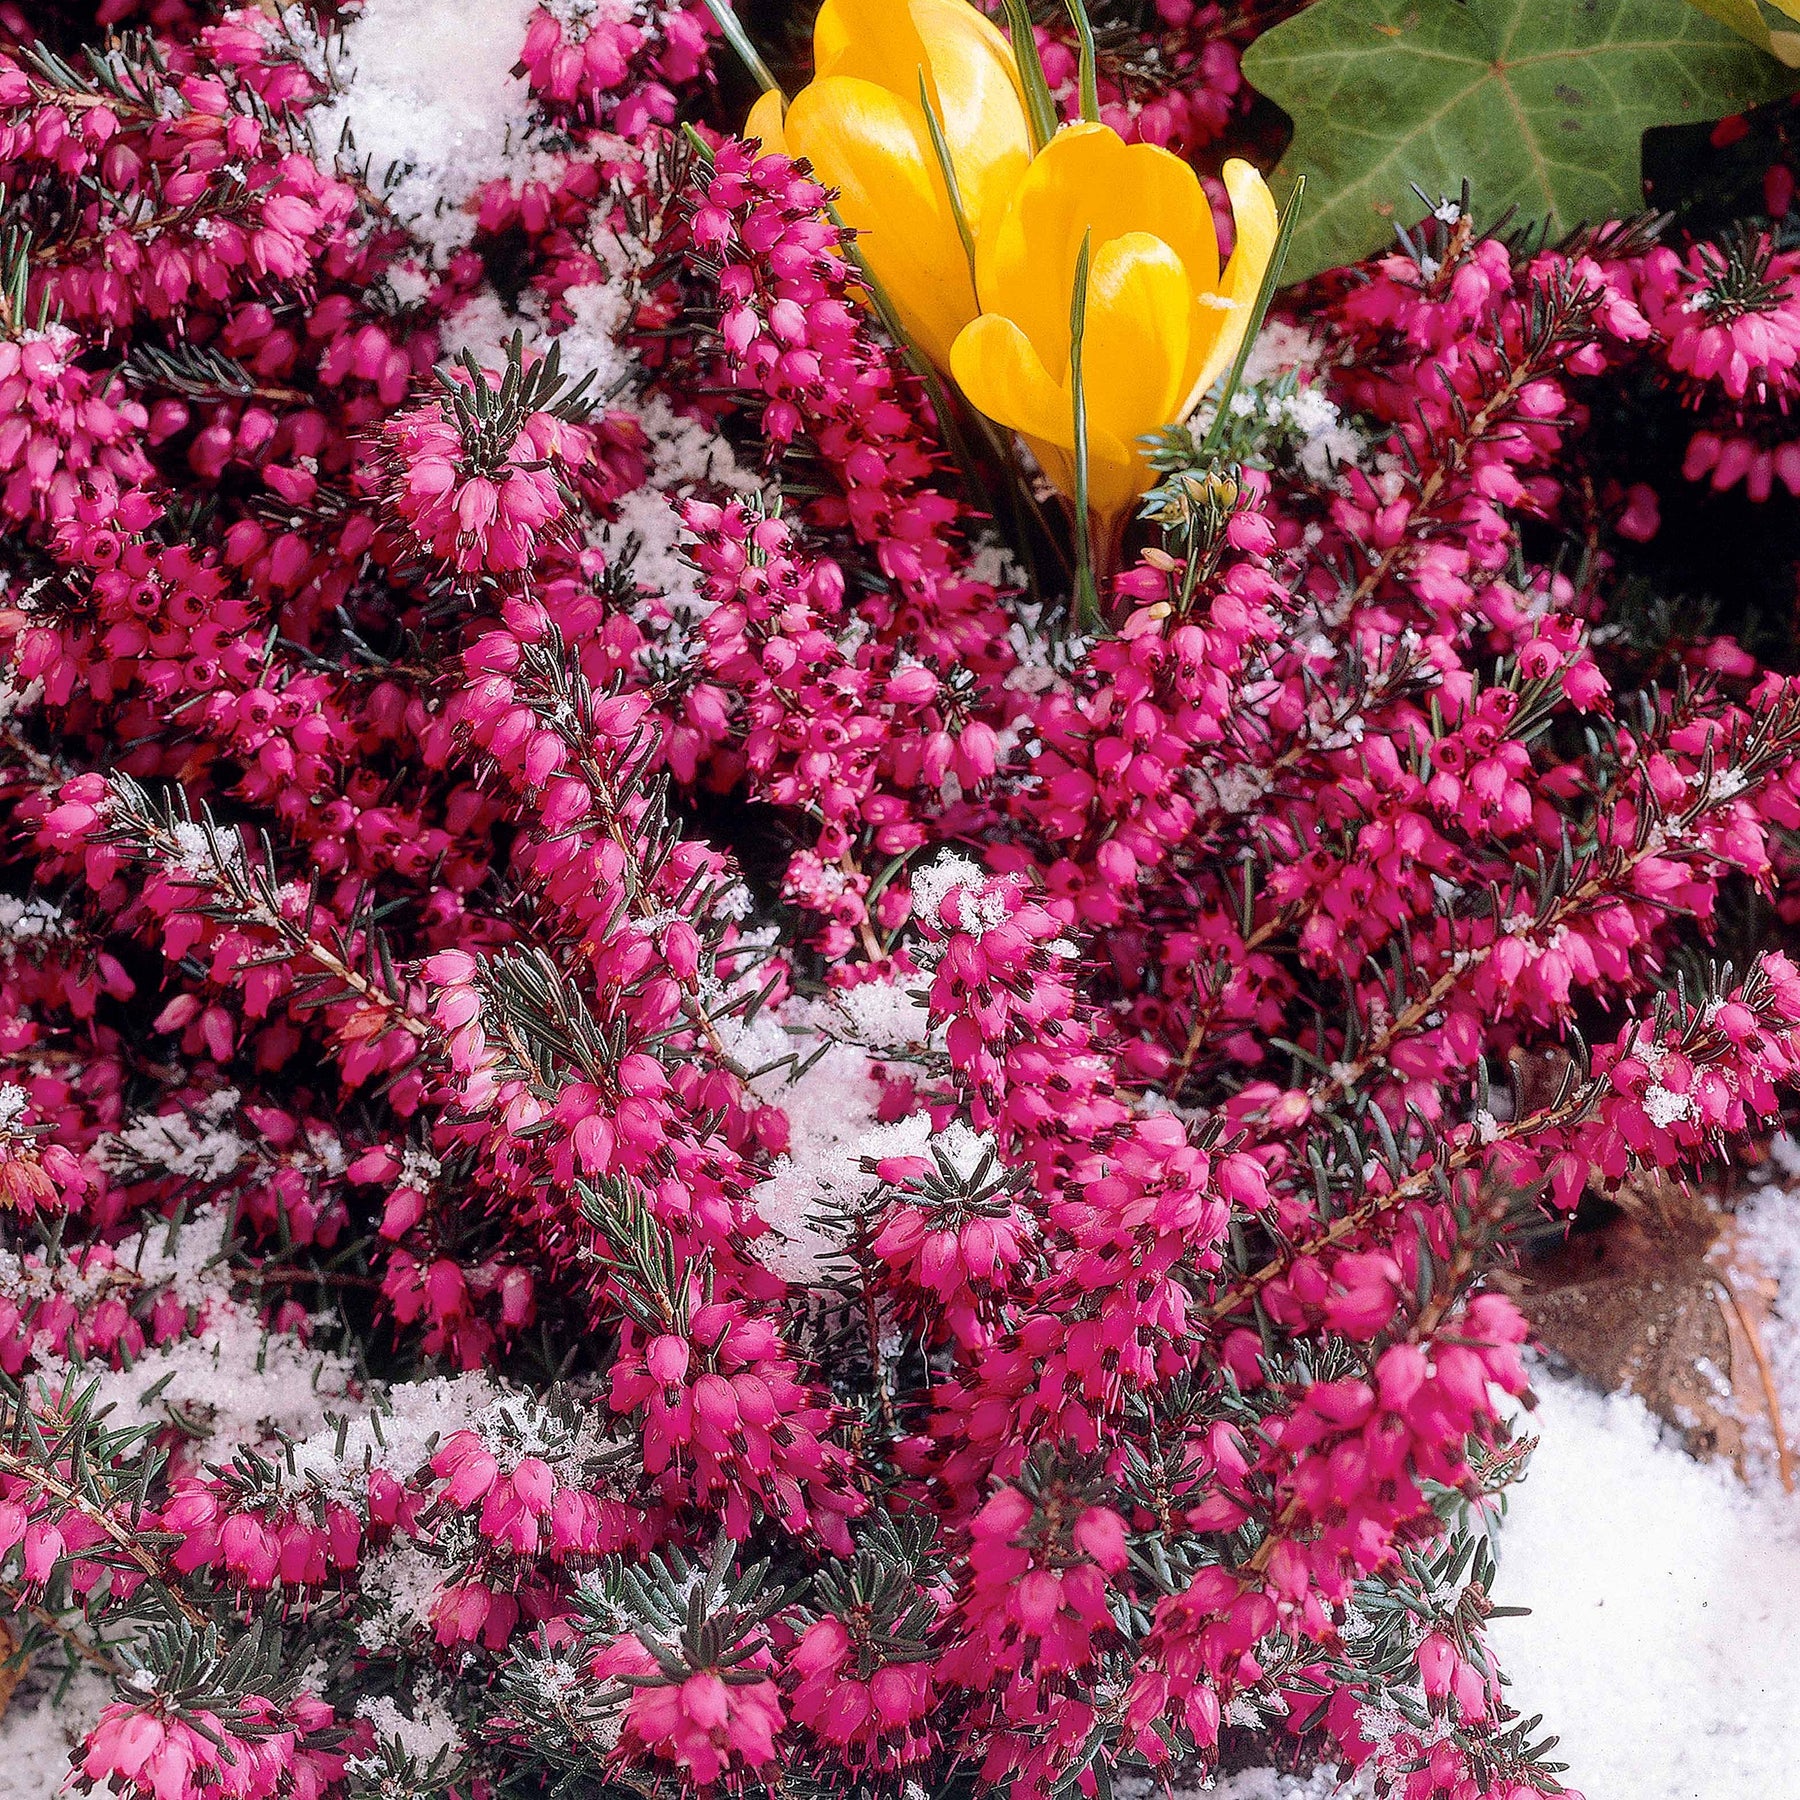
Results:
x,y
1218,327
972,81
886,71
764,124
872,40
998,367
980,105
876,151
1135,345
1087,180
1000,371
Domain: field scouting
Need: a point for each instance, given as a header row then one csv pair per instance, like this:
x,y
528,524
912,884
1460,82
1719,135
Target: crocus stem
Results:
x,y
1259,309
1090,81
1087,596
740,43
1040,109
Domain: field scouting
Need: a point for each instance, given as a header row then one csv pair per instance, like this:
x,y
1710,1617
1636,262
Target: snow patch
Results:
x,y
1664,1642
433,106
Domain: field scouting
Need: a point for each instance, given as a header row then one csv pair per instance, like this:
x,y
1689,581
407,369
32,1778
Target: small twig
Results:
x,y
1414,1187
1771,1394
14,1464
50,1622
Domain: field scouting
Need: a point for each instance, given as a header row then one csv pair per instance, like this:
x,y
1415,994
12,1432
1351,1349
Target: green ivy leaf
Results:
x,y
1542,104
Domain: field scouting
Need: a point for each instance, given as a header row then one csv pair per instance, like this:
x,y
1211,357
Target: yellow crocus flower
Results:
x,y
1161,323
861,123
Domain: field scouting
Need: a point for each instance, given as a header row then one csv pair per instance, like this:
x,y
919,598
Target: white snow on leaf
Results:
x,y
236,1383
194,1142
399,1586
399,1435
884,1015
815,1190
686,456
422,1735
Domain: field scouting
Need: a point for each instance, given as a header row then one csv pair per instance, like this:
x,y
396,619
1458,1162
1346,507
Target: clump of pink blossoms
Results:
x,y
654,1132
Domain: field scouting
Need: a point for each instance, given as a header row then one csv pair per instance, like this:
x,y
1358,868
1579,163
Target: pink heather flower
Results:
x,y
707,1723
482,517
147,1754
501,766
880,1718
1729,315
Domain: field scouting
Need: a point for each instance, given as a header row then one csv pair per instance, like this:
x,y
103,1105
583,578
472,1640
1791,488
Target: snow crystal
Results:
x,y
1282,345
482,326
433,107
589,344
1767,1243
1664,1642
195,1144
994,562
819,1183
399,1585
14,699
418,1168
409,284
1249,1784
203,854
613,1615
1324,452
184,1259
27,922
1307,411
962,1147
931,883
1785,1153
399,1435
1725,784
735,902
1268,1784
1665,1107
905,1137
885,1015
38,1731
1319,438
235,1384
585,14
955,873
1238,789
429,1731
519,1425
686,455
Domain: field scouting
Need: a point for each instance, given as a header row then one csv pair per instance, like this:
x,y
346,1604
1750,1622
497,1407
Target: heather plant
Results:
x,y
718,1081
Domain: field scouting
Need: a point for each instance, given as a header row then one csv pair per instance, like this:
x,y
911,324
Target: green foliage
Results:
x,y
1547,102
491,418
